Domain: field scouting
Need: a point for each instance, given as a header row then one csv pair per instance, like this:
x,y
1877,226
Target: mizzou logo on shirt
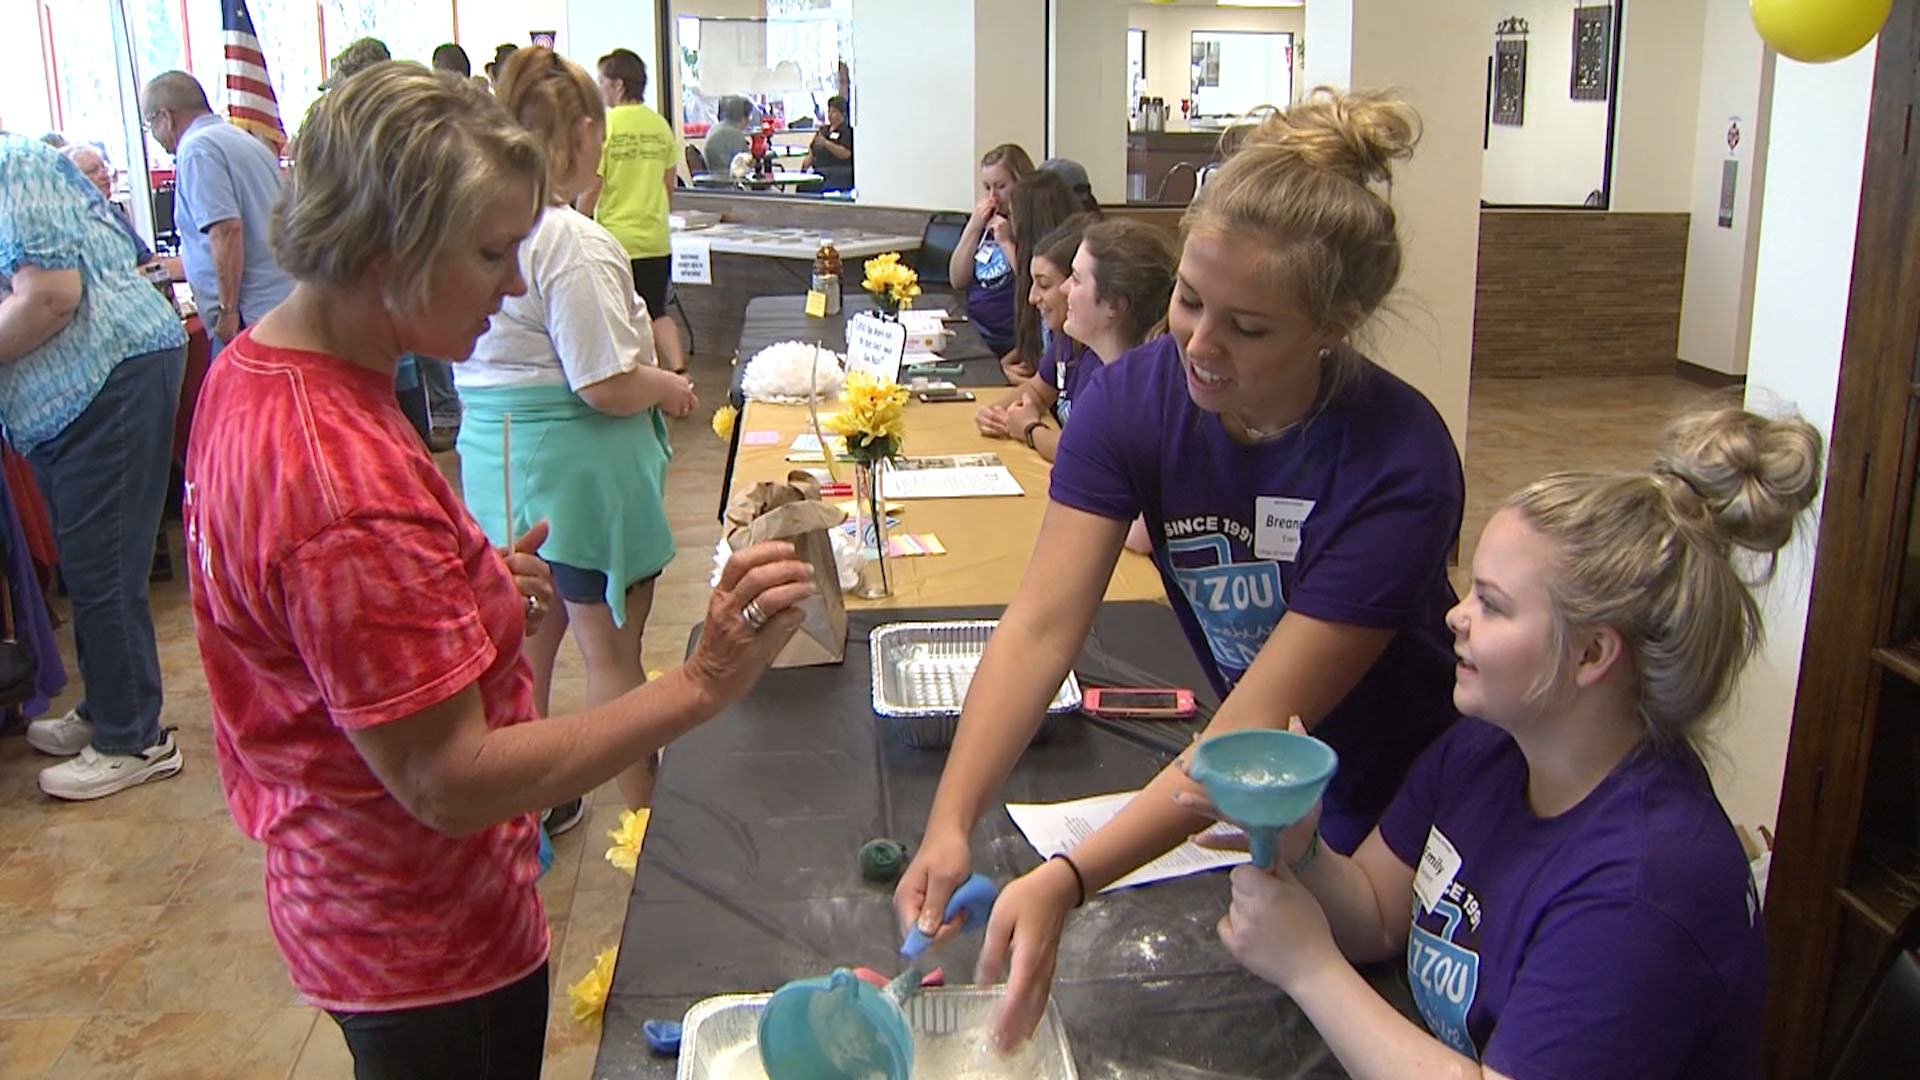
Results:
x,y
1237,604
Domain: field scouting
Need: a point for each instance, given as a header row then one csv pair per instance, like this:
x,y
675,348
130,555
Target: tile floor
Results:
x,y
133,937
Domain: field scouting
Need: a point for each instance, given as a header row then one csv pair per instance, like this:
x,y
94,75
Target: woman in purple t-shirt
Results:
x,y
1570,897
1119,275
1301,502
982,261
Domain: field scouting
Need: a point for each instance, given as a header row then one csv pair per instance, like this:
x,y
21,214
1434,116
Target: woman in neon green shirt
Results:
x,y
632,199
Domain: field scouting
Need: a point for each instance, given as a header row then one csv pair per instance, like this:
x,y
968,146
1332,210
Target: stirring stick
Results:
x,y
827,453
506,470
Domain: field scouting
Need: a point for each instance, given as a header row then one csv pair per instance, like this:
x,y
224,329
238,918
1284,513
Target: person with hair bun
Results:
x,y
572,362
1568,893
1301,502
372,711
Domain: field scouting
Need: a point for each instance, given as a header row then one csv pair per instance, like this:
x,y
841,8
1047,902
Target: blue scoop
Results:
x,y
1263,781
839,1027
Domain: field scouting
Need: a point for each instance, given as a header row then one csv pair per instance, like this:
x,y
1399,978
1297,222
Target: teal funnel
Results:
x,y
1263,781
840,1028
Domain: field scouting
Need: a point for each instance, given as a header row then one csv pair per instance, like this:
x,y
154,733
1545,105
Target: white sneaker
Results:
x,y
62,736
94,775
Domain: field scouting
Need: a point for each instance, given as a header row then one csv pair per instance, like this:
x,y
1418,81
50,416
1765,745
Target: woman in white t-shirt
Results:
x,y
565,409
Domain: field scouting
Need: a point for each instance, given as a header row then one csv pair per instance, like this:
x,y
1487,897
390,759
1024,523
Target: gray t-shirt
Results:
x,y
723,142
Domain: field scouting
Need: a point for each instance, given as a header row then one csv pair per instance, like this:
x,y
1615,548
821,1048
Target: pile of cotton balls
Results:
x,y
782,372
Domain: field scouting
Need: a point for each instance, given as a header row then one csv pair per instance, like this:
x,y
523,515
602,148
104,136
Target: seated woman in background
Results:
x,y
572,362
1116,295
1040,203
1302,502
361,636
982,262
1049,268
1568,893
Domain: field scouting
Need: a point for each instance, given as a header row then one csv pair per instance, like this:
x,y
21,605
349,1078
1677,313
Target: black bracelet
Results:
x,y
1027,435
1079,881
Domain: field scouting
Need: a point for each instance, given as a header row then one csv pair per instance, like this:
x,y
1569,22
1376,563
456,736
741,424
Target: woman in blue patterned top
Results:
x,y
91,359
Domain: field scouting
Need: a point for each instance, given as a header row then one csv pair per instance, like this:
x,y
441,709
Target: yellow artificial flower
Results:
x,y
625,852
589,995
723,419
874,421
886,276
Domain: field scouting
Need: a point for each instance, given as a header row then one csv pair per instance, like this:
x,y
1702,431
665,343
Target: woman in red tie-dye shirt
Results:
x,y
362,640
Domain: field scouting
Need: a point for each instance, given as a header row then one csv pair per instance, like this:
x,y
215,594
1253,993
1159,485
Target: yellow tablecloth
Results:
x,y
988,540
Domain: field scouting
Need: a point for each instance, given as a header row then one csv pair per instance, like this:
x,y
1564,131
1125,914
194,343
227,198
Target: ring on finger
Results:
x,y
533,605
755,615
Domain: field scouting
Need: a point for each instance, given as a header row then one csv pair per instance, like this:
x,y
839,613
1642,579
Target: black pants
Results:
x,y
496,1036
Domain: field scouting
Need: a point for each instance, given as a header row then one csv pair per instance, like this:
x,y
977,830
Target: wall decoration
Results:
x,y
1592,52
1510,72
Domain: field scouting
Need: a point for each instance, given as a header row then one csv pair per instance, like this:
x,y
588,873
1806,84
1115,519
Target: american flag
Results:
x,y
250,101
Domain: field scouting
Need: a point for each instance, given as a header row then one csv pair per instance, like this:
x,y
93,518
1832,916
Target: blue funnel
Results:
x,y
1263,781
841,1028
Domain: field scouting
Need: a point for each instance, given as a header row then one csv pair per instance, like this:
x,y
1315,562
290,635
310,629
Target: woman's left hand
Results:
x,y
531,574
1023,943
1275,927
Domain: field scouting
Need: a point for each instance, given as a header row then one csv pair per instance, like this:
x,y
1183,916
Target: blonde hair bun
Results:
x,y
1753,475
1356,134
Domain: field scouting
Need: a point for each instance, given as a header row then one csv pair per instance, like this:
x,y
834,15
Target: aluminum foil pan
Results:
x,y
921,672
717,1040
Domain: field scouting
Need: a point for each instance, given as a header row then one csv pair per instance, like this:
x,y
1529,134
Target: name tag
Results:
x,y
1439,865
1276,531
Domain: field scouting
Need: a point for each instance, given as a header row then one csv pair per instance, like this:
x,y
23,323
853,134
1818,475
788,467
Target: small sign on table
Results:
x,y
692,260
876,346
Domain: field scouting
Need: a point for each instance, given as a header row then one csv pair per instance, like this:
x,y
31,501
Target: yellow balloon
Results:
x,y
1816,31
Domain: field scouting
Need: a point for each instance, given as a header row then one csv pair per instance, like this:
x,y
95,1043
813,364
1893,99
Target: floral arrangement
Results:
x,y
891,285
874,420
588,997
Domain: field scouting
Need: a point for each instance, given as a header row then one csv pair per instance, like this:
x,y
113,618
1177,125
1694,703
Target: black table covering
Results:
x,y
770,319
749,876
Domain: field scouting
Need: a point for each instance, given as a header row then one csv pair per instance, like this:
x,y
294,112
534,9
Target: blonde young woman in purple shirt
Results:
x,y
1568,894
1301,503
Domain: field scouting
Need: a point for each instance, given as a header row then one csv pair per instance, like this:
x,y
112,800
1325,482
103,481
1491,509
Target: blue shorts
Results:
x,y
581,585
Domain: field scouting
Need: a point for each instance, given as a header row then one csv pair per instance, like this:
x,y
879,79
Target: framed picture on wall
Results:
x,y
1592,52
1510,73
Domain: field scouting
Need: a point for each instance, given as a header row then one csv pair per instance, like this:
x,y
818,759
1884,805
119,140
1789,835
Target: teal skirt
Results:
x,y
599,481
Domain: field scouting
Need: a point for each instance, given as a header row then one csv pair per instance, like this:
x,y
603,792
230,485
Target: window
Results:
x,y
787,63
1136,69
1235,72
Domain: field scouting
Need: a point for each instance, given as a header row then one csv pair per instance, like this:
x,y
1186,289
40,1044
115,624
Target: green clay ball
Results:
x,y
882,860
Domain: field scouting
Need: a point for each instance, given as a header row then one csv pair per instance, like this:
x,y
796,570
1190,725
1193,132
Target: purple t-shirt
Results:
x,y
1621,938
1347,518
1067,366
990,297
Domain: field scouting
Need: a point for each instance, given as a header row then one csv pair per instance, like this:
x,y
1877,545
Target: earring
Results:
x,y
1326,353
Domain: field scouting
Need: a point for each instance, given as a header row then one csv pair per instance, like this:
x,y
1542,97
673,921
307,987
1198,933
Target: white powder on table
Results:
x,y
958,1057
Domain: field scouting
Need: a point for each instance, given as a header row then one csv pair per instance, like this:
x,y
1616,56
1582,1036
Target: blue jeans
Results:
x,y
105,482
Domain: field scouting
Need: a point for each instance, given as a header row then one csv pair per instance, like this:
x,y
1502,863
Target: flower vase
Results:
x,y
870,519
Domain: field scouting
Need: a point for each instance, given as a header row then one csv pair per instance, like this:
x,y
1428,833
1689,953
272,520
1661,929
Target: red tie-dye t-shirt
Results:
x,y
339,583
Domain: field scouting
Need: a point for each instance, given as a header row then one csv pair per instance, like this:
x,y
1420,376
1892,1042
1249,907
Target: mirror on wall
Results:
x,y
1553,74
